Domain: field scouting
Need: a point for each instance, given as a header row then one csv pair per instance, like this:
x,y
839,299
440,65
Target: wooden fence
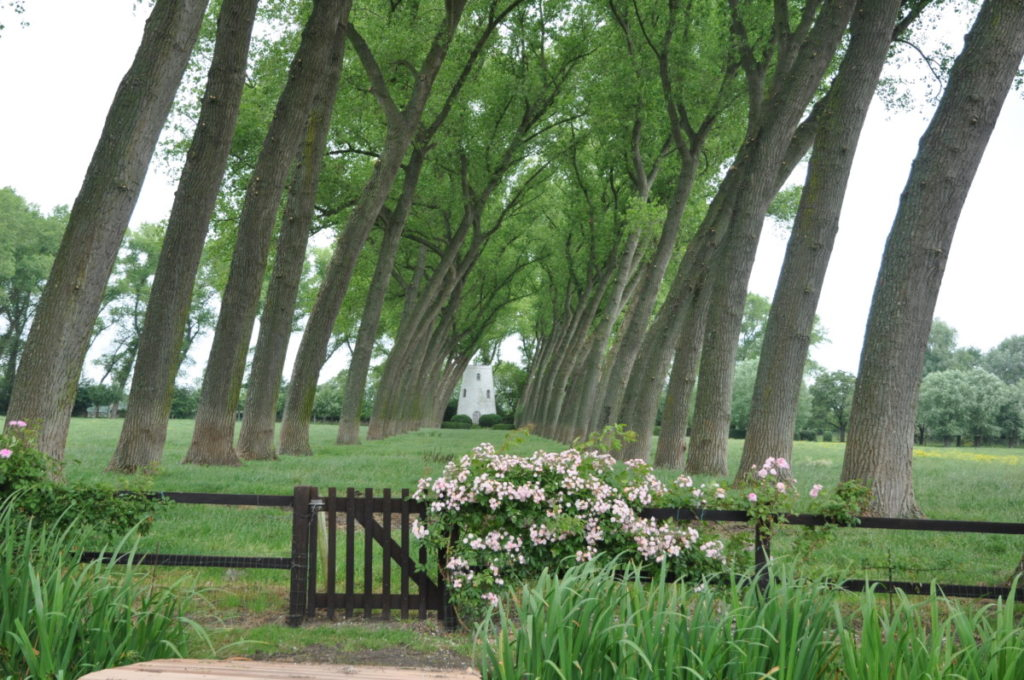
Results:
x,y
409,582
762,545
414,590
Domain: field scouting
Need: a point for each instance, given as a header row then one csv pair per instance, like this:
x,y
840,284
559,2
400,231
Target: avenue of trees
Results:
x,y
416,182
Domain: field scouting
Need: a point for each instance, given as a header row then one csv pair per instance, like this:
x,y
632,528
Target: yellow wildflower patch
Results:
x,y
967,455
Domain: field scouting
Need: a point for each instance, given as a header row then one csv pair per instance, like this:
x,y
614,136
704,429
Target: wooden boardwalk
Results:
x,y
192,669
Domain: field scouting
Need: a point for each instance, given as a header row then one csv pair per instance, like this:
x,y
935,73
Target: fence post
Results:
x,y
445,611
298,594
762,553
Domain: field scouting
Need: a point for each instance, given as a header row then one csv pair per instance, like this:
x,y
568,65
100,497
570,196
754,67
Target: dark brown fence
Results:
x,y
408,575
762,545
409,583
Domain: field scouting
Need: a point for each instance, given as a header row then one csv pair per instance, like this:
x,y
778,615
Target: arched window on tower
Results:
x,y
477,376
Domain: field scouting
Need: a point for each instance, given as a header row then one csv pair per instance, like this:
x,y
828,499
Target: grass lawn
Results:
x,y
951,483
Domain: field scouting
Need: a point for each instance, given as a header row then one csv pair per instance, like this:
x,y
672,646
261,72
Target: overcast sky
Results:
x,y
58,76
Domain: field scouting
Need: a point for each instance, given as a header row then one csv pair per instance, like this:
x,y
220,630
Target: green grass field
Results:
x,y
950,483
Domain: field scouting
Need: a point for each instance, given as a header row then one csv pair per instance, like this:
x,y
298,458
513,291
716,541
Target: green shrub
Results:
x,y
807,435
31,476
461,418
827,437
62,619
503,518
456,425
489,420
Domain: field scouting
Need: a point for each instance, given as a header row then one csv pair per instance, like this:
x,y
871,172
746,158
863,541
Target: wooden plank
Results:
x,y
258,500
332,548
385,574
370,524
350,553
170,560
192,669
404,550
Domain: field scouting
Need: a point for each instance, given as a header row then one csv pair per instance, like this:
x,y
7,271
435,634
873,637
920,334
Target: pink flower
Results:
x,y
782,463
752,497
781,486
762,473
5,453
815,490
17,423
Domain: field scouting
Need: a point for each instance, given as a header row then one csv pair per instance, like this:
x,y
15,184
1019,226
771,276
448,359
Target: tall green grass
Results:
x,y
603,621
62,619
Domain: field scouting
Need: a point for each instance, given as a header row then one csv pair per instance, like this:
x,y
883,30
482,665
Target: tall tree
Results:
x,y
881,438
256,439
213,437
44,387
160,347
788,331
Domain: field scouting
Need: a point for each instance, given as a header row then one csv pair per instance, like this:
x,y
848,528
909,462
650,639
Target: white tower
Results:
x,y
476,396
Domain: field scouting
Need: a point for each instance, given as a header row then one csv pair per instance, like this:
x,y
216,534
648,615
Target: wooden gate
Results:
x,y
391,575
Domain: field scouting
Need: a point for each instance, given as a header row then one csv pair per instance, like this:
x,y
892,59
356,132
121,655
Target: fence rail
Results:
x,y
409,579
762,545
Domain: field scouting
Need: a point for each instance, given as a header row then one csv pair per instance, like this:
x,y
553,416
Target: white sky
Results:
x,y
59,74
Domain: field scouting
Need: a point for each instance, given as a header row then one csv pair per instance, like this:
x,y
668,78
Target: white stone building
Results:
x,y
476,396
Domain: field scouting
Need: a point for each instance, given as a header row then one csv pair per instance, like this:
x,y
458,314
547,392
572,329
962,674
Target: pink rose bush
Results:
x,y
502,518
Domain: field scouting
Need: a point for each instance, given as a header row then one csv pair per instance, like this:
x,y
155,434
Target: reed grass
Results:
x,y
62,619
600,621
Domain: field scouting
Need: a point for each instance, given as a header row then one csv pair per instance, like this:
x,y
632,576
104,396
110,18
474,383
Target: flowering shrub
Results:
x,y
29,475
501,518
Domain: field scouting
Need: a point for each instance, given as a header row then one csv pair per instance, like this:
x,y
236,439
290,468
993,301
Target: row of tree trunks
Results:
x,y
256,439
359,366
44,387
213,436
879,448
802,61
788,330
144,432
686,305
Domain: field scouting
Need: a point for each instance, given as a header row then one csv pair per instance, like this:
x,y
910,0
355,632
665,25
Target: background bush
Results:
x,y
489,420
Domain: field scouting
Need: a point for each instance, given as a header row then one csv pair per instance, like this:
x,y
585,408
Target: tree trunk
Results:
x,y
144,432
632,336
44,387
213,437
256,439
881,431
801,67
359,366
671,451
788,330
